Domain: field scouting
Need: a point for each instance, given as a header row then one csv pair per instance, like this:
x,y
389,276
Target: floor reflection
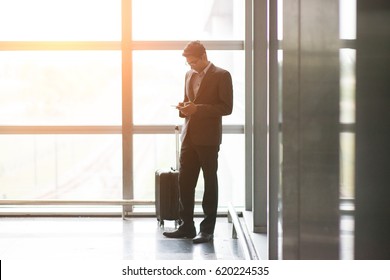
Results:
x,y
108,238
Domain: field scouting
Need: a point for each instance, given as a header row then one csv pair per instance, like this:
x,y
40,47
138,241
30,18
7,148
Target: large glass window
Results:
x,y
188,19
152,152
60,88
348,19
60,167
347,85
347,117
347,99
159,83
75,86
70,20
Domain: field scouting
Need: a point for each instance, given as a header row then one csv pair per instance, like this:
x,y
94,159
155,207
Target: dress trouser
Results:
x,y
192,159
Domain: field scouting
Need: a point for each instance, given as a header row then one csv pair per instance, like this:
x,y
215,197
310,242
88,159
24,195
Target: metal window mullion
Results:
x,y
248,104
127,103
60,129
179,45
274,141
113,45
260,115
114,129
58,45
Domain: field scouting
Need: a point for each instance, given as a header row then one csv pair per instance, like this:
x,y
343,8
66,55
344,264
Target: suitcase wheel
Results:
x,y
161,223
178,223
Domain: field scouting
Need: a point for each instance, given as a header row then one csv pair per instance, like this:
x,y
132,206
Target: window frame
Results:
x,y
127,129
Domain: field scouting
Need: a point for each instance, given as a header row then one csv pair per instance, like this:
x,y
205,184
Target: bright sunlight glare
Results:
x,y
58,20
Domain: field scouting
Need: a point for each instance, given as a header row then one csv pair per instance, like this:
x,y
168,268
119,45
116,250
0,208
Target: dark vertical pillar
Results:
x,y
372,203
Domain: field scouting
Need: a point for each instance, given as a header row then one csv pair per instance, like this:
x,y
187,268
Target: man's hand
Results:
x,y
187,108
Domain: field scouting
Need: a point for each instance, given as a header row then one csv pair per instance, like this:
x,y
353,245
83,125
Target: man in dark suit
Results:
x,y
208,96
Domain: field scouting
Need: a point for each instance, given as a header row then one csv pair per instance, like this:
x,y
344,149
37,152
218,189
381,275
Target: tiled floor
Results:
x,y
108,238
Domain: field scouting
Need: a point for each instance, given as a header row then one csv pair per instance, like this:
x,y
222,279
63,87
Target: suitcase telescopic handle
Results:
x,y
177,146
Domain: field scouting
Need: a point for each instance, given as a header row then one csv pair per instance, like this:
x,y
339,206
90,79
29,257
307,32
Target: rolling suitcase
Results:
x,y
167,190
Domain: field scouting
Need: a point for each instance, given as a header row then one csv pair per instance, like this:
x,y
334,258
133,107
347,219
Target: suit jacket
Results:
x,y
214,100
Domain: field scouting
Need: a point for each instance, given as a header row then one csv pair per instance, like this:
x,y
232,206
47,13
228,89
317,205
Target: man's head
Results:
x,y
194,48
195,54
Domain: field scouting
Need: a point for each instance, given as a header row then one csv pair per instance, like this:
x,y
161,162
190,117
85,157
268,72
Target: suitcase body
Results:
x,y
167,195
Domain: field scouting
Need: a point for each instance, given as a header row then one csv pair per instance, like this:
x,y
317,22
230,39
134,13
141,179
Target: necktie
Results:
x,y
191,93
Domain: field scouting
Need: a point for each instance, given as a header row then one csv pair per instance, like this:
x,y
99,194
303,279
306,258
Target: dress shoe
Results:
x,y
180,233
202,237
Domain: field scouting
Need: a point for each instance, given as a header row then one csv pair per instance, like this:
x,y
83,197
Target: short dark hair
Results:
x,y
194,48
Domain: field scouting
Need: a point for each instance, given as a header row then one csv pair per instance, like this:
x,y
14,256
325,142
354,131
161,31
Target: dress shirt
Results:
x,y
197,78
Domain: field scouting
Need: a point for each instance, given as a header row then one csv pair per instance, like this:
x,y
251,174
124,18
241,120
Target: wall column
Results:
x,y
310,92
372,203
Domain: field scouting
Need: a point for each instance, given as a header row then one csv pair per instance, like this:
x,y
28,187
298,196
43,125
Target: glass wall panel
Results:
x,y
348,19
347,116
159,82
347,85
152,152
60,167
60,88
347,165
231,173
84,88
188,20
48,20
